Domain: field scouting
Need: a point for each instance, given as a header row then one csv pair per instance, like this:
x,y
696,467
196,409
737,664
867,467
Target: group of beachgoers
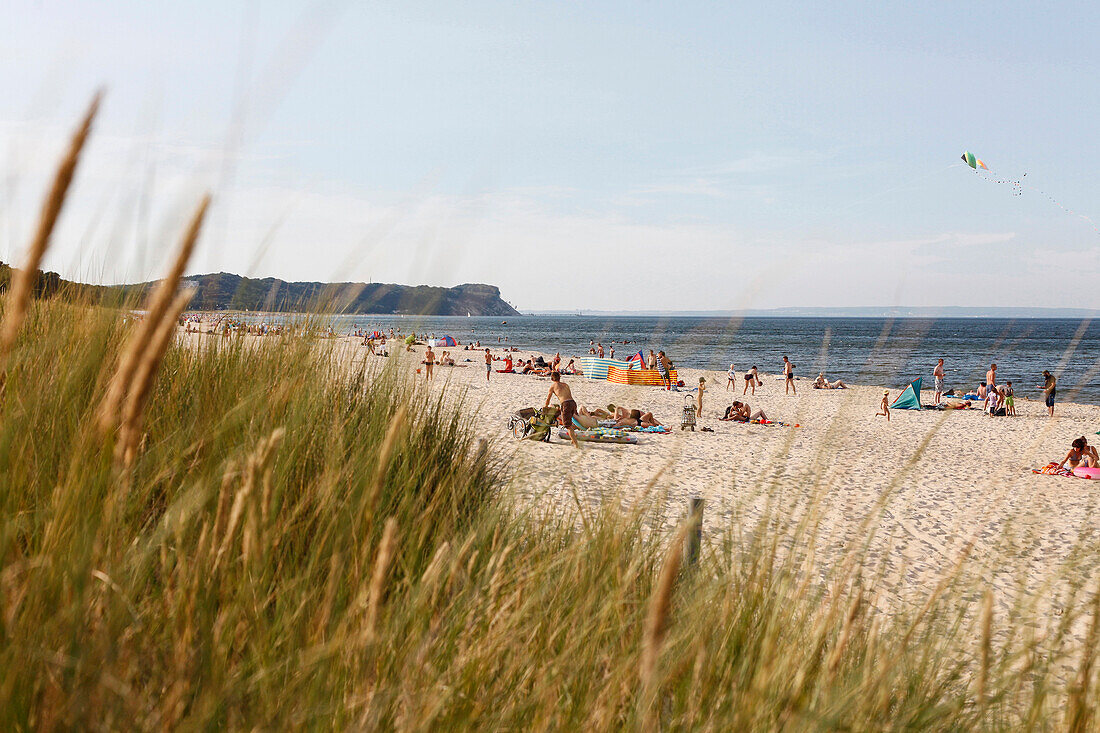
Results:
x,y
997,399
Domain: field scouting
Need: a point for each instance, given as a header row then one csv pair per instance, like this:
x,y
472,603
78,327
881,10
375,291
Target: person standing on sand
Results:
x,y
488,365
699,396
1010,400
612,353
429,362
561,390
663,369
1050,388
885,406
937,374
731,378
599,349
651,363
991,377
788,374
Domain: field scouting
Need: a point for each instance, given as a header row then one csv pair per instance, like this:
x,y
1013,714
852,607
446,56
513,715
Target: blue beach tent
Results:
x,y
909,399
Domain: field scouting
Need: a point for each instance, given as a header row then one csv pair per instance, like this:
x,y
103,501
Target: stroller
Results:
x,y
532,424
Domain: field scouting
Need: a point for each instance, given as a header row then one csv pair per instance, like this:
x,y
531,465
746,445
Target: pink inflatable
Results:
x,y
1086,472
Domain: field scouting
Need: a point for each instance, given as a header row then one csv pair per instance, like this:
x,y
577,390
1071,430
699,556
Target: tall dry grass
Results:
x,y
295,542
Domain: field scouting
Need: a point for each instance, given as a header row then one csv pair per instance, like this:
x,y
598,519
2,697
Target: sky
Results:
x,y
614,155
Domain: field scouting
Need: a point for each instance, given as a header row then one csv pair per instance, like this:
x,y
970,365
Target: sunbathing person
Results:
x,y
823,383
741,412
646,418
1081,454
569,368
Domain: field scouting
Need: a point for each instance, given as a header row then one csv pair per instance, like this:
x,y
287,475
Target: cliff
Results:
x,y
225,291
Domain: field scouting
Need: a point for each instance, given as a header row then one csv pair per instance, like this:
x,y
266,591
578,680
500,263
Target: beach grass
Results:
x,y
296,542
239,533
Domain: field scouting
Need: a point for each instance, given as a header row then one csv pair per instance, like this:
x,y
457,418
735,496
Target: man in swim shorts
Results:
x,y
488,364
561,390
788,373
662,369
1050,389
937,373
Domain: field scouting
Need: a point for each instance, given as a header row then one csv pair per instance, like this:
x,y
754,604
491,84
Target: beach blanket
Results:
x,y
1052,469
660,429
599,435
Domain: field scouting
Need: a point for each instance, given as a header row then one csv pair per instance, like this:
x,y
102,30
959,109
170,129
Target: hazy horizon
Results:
x,y
605,157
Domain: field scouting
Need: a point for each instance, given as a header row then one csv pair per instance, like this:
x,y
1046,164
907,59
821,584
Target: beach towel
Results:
x,y
599,435
1052,469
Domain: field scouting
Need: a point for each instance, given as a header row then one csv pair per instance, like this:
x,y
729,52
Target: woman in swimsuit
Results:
x,y
1081,454
751,380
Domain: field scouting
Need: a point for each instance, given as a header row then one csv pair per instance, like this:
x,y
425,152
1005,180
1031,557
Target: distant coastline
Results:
x,y
847,312
224,291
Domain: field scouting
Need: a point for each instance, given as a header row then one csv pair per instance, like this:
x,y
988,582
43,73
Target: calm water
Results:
x,y
860,350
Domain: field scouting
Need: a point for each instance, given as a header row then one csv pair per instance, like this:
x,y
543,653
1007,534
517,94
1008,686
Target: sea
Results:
x,y
877,351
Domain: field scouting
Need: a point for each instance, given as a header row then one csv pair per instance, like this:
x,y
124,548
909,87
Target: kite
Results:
x,y
972,161
1018,186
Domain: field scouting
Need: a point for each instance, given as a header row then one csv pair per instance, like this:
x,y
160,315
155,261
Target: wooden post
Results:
x,y
694,538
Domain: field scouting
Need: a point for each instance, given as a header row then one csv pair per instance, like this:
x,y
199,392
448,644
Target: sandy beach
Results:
x,y
943,478
929,482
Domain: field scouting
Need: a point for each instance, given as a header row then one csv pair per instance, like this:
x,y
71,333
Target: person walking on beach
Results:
x,y
1050,388
885,406
488,365
731,378
663,369
788,374
561,390
699,396
937,374
429,362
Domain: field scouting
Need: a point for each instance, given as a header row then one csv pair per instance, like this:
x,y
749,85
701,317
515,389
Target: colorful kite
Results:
x,y
973,162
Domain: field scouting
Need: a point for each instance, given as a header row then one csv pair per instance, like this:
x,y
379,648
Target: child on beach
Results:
x,y
699,396
1010,400
885,407
731,378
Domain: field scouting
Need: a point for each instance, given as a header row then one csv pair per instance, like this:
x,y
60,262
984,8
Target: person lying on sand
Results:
x,y
741,412
1081,454
647,419
629,419
823,383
